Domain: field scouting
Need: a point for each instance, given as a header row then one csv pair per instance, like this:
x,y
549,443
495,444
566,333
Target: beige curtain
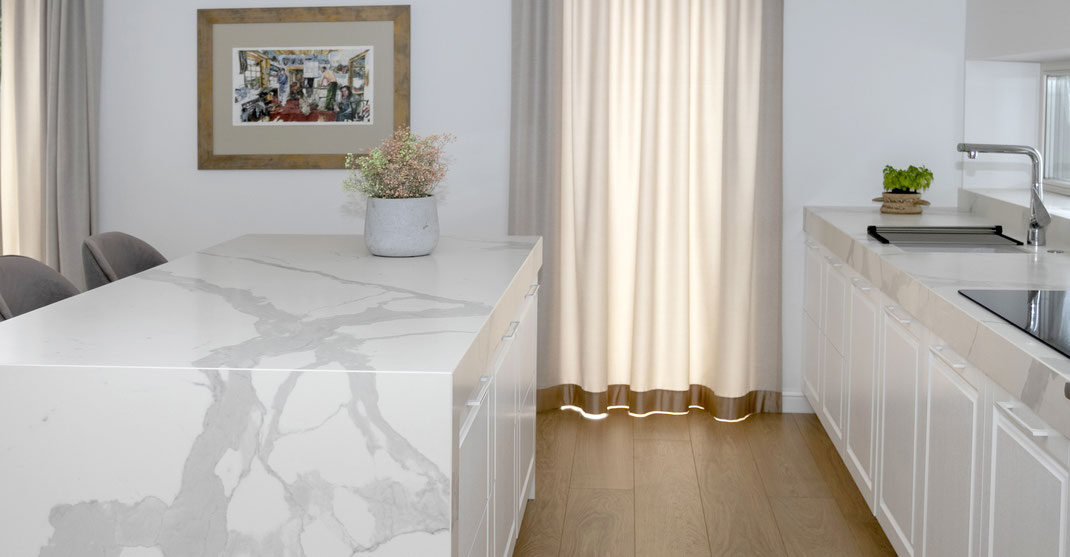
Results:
x,y
49,99
646,141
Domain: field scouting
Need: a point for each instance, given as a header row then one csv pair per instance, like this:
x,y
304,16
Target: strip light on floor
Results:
x,y
605,415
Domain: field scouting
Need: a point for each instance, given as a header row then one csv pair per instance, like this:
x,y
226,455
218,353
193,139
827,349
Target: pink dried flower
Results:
x,y
405,165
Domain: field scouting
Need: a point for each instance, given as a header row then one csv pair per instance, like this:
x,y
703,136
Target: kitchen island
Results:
x,y
276,395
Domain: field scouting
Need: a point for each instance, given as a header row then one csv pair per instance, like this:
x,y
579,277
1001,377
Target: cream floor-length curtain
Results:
x,y
49,99
646,149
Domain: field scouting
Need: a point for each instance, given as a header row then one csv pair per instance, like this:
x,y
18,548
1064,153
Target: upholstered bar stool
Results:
x,y
27,284
110,256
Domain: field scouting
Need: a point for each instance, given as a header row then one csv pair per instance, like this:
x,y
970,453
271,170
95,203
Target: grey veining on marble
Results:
x,y
926,285
281,302
270,396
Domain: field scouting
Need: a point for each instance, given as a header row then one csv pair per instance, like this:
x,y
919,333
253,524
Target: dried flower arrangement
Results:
x,y
403,166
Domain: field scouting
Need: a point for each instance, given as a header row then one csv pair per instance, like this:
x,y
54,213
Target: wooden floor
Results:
x,y
664,485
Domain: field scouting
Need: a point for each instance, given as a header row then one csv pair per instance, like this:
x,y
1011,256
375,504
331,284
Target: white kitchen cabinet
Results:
x,y
953,455
474,459
497,442
1027,485
813,347
899,481
860,447
505,412
813,282
833,379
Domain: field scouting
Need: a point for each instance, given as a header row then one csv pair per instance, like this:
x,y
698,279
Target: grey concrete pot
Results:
x,y
401,227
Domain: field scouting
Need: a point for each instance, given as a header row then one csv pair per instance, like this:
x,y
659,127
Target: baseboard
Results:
x,y
795,403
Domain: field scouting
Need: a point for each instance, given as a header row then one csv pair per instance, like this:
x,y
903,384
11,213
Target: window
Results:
x,y
1055,140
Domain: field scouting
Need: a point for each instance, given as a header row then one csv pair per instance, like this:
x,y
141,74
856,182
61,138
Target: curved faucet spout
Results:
x,y
1039,218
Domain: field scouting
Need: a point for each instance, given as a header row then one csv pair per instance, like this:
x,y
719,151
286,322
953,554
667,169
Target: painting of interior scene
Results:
x,y
306,85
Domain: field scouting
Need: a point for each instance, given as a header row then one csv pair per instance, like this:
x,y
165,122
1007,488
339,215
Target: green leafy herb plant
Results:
x,y
911,180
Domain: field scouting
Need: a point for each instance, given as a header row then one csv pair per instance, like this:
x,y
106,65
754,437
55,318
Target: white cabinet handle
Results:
x,y
1009,409
833,262
533,290
899,315
511,332
860,284
811,245
477,398
945,353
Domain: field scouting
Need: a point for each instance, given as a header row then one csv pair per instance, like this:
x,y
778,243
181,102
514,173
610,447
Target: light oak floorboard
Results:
x,y
662,426
739,519
770,485
668,509
813,527
867,532
599,522
783,458
555,444
604,453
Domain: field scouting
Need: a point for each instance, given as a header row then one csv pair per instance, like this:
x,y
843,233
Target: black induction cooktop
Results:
x,y
1043,314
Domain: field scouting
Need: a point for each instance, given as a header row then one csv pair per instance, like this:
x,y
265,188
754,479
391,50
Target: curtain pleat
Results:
x,y
49,99
646,149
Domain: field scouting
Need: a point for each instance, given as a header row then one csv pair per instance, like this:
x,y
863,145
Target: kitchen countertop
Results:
x,y
274,394
926,285
270,302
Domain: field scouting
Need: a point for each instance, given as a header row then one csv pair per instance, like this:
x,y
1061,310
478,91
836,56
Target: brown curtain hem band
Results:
x,y
659,400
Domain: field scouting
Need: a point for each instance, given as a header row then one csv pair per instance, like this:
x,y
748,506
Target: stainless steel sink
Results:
x,y
955,239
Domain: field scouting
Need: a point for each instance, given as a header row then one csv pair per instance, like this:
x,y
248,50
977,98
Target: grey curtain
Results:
x,y
49,121
646,150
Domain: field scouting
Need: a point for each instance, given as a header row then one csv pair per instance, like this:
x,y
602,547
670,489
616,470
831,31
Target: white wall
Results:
x,y
1002,103
865,84
1031,30
150,185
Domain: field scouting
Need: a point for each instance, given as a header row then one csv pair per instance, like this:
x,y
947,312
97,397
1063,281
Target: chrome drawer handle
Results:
x,y
833,262
533,290
512,330
484,384
863,286
1009,408
944,354
894,310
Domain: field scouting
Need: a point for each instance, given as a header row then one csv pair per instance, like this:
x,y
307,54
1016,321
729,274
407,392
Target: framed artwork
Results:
x,y
299,87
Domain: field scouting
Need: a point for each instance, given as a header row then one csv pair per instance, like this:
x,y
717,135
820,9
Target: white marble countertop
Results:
x,y
280,302
927,284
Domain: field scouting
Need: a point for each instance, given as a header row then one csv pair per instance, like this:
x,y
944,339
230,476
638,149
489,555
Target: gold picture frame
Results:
x,y
251,126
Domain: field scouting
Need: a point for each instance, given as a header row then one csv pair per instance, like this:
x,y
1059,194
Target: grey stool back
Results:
x,y
27,284
110,256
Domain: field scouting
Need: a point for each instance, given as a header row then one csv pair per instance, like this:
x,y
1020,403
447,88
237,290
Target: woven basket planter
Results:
x,y
901,203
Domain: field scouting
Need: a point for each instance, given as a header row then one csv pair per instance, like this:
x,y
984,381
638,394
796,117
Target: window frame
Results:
x,y
1047,69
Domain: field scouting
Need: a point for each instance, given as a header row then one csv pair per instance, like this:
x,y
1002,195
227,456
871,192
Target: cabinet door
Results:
x,y
835,304
898,477
528,339
832,395
505,402
861,405
953,456
1027,501
473,491
813,346
813,283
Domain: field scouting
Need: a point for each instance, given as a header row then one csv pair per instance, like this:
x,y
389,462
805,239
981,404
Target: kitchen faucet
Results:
x,y
1038,213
